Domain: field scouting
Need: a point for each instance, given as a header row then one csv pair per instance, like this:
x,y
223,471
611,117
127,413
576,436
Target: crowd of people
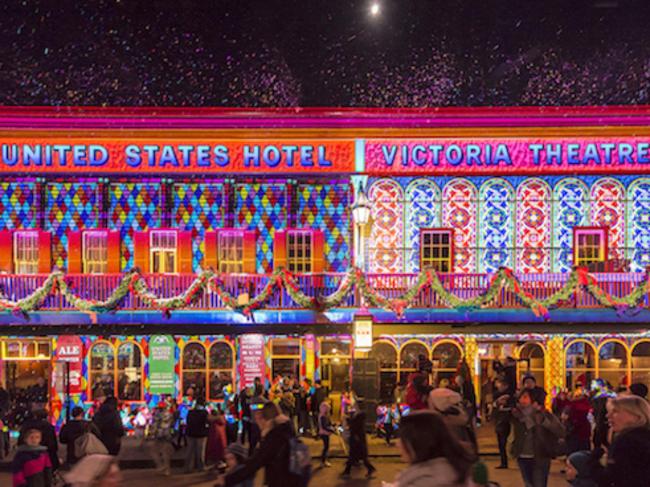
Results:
x,y
602,436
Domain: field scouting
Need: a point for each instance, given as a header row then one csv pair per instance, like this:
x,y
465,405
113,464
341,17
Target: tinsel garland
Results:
x,y
133,283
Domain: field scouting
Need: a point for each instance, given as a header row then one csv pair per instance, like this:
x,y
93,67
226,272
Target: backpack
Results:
x,y
300,461
88,444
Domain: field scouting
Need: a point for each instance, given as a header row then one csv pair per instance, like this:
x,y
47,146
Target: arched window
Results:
x,y
386,235
570,205
533,226
580,363
613,363
102,370
638,221
194,370
608,210
459,212
129,372
531,362
641,363
408,357
445,357
221,368
386,355
496,225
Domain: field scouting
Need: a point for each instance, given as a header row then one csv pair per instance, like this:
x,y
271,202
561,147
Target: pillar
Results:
x,y
471,356
554,375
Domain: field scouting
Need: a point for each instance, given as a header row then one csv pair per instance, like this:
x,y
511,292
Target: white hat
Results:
x,y
441,399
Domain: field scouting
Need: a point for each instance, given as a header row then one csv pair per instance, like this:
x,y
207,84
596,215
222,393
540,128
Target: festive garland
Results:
x,y
134,284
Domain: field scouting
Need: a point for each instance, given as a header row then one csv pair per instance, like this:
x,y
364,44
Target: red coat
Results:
x,y
217,442
578,411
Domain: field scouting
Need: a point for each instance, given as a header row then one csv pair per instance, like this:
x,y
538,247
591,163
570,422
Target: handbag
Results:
x,y
89,444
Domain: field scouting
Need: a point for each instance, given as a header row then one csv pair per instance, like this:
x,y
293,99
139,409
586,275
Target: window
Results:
x,y
285,357
231,252
590,245
386,355
194,370
163,251
445,357
95,252
409,356
299,251
221,369
129,372
531,362
612,363
436,249
641,363
102,370
580,364
26,252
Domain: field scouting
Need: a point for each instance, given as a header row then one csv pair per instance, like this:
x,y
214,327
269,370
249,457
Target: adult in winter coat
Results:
x,y
536,436
417,391
449,405
434,455
325,430
217,442
74,429
38,420
358,444
579,428
628,457
197,435
272,454
161,432
503,403
109,423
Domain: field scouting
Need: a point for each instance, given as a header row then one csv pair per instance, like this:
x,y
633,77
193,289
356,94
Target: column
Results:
x,y
471,356
554,365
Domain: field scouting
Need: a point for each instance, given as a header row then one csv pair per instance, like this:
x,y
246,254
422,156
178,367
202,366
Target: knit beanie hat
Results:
x,y
582,462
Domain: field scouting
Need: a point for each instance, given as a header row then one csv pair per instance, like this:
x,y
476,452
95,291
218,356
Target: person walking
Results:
x,y
317,396
449,404
38,420
628,457
197,434
536,436
217,441
273,453
109,423
578,435
161,432
501,412
358,444
434,455
73,430
325,430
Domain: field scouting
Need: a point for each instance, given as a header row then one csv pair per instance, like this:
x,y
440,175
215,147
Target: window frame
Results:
x,y
603,248
230,233
449,259
204,370
86,265
117,370
92,372
155,233
18,234
293,263
211,370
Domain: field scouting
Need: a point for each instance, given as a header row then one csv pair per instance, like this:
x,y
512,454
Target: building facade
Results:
x,y
181,251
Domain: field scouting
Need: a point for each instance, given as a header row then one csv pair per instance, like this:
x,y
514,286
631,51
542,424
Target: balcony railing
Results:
x,y
465,286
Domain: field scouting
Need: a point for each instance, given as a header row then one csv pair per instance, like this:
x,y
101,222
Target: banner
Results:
x,y
69,348
162,359
251,359
175,156
449,157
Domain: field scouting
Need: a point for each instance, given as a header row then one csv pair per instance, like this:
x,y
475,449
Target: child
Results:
x,y
581,468
31,465
236,455
325,430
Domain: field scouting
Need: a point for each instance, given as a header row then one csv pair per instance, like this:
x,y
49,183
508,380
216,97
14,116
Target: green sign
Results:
x,y
162,360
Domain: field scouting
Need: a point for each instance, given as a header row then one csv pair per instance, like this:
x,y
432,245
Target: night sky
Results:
x,y
318,53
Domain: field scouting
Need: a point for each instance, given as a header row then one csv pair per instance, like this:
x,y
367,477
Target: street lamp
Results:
x,y
361,216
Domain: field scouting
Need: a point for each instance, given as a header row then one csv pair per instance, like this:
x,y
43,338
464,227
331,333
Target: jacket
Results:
x,y
545,436
436,472
162,425
197,423
358,442
272,454
31,467
110,428
72,430
325,427
628,460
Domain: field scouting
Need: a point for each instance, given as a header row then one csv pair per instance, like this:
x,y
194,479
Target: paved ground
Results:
x,y
387,468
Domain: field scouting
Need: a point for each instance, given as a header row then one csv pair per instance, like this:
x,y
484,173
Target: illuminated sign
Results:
x,y
507,156
363,332
179,156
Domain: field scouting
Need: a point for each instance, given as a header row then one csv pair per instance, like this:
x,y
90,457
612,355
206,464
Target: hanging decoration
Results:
x,y
501,283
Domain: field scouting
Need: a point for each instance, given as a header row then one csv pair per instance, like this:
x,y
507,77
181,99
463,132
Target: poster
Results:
x,y
162,360
251,359
70,349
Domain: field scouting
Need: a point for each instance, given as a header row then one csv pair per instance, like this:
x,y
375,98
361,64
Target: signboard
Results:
x,y
69,348
447,157
162,359
363,332
175,156
251,359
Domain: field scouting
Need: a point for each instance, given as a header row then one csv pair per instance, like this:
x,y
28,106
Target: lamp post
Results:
x,y
361,215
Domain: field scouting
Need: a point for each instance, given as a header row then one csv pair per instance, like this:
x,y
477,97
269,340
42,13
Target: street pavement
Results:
x,y
387,468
